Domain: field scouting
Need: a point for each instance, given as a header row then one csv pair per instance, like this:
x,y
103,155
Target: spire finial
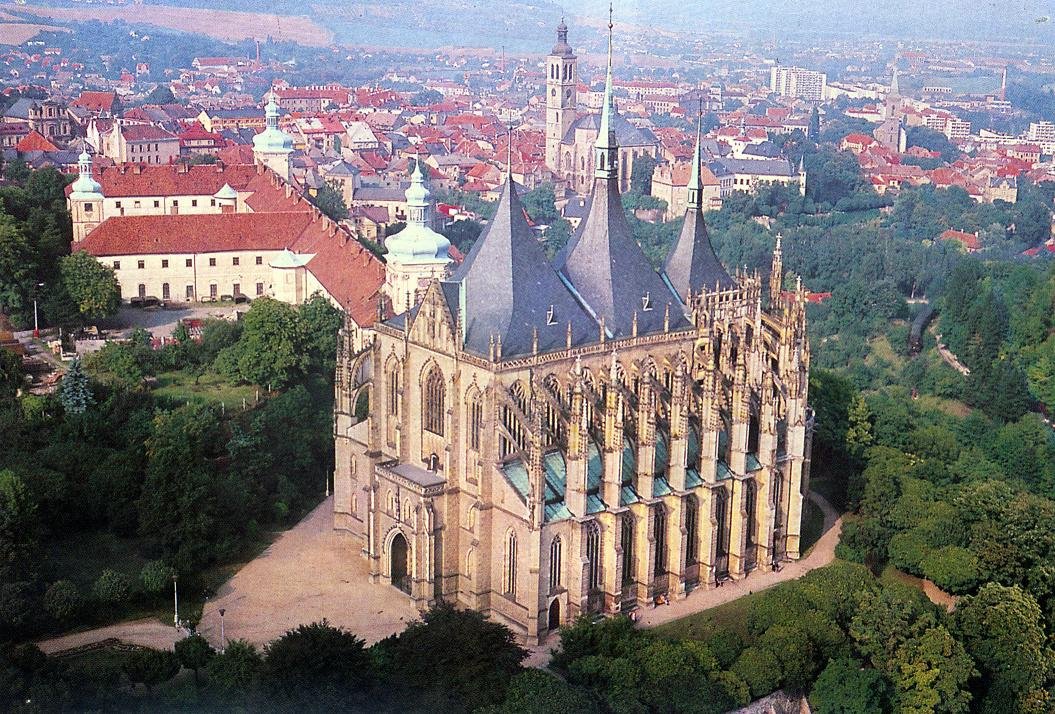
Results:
x,y
606,150
695,201
509,153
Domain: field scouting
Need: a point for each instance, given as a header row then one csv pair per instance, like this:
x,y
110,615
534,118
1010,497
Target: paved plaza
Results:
x,y
306,575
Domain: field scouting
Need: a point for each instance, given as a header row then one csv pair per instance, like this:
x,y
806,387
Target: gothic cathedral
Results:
x,y
547,439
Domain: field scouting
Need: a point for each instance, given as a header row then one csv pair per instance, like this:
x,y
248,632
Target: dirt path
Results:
x,y
146,633
822,553
307,575
951,359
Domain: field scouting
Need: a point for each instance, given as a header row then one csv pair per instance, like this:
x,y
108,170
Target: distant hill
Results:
x,y
527,25
1023,20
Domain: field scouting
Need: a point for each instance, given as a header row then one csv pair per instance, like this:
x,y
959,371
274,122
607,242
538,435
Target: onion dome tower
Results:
x,y
86,199
272,147
417,253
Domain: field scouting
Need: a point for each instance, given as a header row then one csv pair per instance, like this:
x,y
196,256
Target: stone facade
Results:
x,y
686,457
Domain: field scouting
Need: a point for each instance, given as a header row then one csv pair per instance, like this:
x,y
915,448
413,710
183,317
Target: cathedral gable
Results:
x,y
433,324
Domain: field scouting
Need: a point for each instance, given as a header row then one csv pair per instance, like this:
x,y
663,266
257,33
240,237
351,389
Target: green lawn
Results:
x,y
179,386
952,407
731,616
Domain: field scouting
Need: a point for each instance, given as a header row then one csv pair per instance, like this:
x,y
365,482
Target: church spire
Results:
x,y
606,149
695,184
692,266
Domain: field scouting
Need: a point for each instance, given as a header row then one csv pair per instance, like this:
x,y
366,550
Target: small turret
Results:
x,y
86,200
776,274
417,253
86,187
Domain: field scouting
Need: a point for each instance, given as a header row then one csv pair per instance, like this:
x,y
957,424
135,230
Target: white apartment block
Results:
x,y
798,82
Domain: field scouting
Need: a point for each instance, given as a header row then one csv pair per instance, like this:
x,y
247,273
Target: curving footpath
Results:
x,y
144,633
307,574
822,553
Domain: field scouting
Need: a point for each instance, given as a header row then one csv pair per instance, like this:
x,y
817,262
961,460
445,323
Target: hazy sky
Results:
x,y
953,19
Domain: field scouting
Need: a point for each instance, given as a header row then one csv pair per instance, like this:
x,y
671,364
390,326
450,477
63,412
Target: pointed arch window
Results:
x,y
692,527
510,580
393,389
476,420
555,564
593,554
751,493
753,433
725,451
433,404
721,516
659,535
626,542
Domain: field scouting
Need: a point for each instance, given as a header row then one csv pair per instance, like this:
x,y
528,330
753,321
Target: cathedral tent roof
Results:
x,y
691,264
607,268
508,290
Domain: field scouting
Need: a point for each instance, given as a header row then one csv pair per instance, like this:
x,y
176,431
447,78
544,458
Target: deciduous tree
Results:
x,y
91,285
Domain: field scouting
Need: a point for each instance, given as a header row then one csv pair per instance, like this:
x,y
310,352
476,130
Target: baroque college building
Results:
x,y
582,436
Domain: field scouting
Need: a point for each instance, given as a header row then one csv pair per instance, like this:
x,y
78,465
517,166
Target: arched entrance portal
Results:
x,y
399,550
554,615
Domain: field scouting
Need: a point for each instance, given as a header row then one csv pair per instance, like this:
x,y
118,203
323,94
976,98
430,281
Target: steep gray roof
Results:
x,y
626,134
765,150
510,288
758,167
20,108
610,273
691,265
381,193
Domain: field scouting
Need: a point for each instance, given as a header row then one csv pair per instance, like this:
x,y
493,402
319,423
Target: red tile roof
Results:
x,y
281,218
970,241
96,101
195,233
35,141
145,132
147,180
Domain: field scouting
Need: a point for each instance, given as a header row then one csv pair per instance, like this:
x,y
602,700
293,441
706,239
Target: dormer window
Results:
x,y
646,302
551,318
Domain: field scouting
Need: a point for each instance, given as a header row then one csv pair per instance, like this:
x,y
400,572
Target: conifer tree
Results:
x,y
75,392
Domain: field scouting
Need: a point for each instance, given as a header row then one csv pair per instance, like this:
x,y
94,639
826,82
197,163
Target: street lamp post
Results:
x,y
36,325
223,635
175,604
